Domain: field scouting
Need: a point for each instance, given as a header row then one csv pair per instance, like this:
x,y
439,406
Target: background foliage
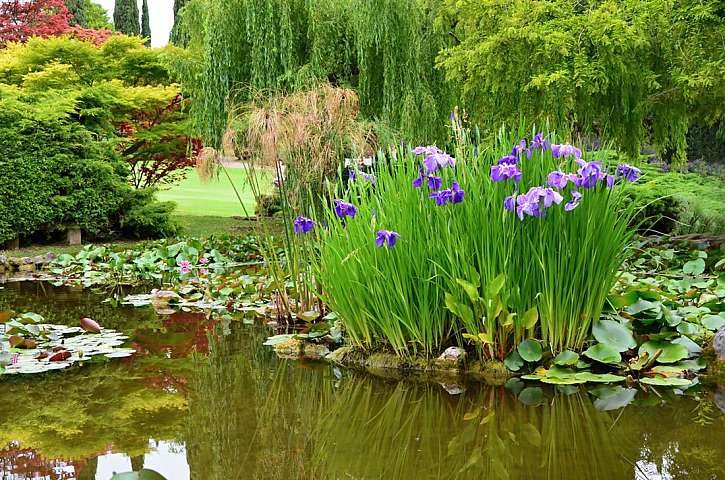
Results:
x,y
78,120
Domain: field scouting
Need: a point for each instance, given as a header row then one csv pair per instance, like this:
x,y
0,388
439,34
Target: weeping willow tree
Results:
x,y
384,49
628,71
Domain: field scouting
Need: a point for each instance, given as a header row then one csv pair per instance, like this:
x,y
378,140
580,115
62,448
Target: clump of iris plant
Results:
x,y
386,238
303,225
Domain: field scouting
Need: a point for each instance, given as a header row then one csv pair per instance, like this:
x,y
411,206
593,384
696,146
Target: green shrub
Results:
x,y
54,172
148,218
471,270
678,203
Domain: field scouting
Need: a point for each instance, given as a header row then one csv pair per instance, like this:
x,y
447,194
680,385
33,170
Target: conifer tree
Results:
x,y
145,22
77,9
126,17
177,37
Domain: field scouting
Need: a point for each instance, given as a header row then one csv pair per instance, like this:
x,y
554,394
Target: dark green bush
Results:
x,y
54,172
148,218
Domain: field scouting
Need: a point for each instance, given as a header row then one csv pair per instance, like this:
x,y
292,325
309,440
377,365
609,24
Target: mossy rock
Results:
x,y
381,360
291,348
347,356
493,372
314,351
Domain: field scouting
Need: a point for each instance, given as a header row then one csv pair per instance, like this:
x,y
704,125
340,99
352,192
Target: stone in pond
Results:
x,y
90,325
450,359
718,344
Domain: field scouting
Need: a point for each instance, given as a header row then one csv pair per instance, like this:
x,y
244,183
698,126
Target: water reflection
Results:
x,y
207,402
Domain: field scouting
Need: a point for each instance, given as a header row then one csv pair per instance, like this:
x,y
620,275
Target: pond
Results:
x,y
203,399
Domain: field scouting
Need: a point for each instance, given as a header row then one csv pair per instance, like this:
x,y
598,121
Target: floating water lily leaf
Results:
x,y
713,322
531,396
513,361
530,350
671,352
692,347
689,328
601,352
666,381
614,334
613,398
642,305
564,380
694,364
567,357
599,377
694,267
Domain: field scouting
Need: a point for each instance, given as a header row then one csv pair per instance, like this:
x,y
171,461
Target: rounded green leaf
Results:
x,y
666,381
713,322
601,352
567,357
694,267
513,361
614,334
671,352
599,377
530,350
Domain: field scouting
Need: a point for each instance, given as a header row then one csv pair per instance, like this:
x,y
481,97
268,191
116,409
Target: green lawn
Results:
x,y
214,198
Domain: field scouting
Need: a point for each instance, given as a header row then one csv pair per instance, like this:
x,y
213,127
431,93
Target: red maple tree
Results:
x,y
22,19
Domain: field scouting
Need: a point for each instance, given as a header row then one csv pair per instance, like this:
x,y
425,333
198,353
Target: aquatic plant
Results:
x,y
524,244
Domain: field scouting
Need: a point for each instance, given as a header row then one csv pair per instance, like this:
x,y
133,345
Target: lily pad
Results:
x,y
599,377
713,322
530,350
671,352
513,361
614,334
567,357
601,352
666,381
694,267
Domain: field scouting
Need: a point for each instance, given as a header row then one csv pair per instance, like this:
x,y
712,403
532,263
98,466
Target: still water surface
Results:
x,y
204,400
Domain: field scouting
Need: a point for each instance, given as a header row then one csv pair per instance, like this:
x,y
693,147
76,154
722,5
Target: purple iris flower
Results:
x,y
434,182
630,173
427,150
540,142
457,193
438,160
442,197
565,150
386,236
505,171
509,203
519,148
589,174
558,179
575,199
344,209
536,201
303,225
610,181
508,160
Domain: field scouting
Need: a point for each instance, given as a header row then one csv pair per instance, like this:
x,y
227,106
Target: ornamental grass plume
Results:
x,y
525,253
